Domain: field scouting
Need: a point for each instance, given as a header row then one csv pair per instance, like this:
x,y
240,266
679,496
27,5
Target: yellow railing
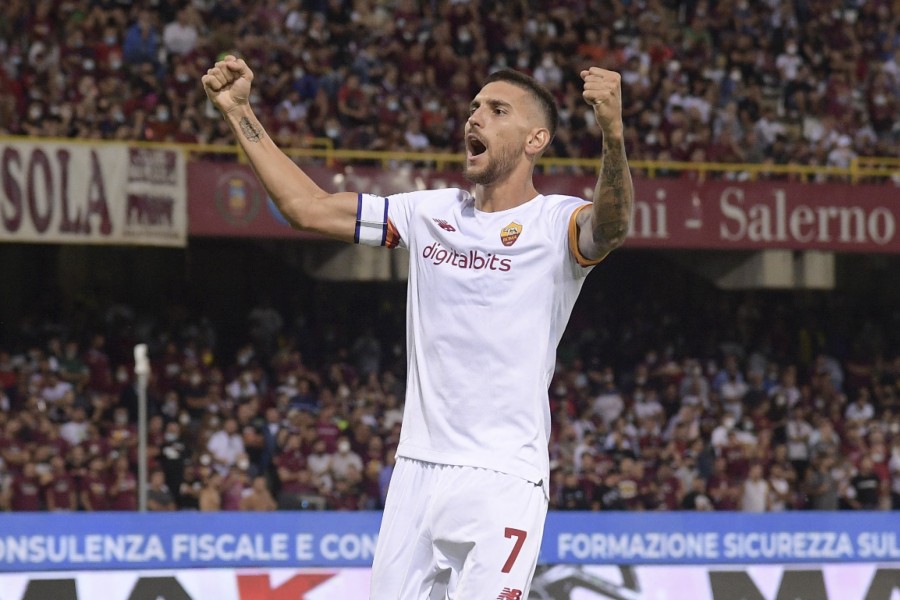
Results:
x,y
322,149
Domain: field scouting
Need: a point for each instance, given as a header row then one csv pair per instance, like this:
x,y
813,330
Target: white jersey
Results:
x,y
488,300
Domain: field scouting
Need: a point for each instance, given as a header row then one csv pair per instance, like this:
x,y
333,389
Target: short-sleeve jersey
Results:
x,y
488,299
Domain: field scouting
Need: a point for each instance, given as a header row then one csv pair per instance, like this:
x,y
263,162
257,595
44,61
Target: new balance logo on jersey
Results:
x,y
444,225
472,259
510,594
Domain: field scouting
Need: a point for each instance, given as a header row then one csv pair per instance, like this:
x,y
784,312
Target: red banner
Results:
x,y
227,200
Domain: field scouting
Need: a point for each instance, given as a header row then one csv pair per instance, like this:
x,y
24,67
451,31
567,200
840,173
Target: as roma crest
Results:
x,y
510,233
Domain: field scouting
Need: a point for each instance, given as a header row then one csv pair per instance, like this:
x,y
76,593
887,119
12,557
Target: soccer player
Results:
x,y
493,278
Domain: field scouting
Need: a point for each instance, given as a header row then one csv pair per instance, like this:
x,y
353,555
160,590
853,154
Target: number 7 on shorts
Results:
x,y
517,547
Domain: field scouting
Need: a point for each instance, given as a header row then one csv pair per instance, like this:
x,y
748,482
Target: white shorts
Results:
x,y
457,533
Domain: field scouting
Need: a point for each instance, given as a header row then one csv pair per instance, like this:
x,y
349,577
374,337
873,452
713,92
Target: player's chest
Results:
x,y
472,242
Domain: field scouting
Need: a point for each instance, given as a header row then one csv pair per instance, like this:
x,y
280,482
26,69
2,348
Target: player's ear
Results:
x,y
537,141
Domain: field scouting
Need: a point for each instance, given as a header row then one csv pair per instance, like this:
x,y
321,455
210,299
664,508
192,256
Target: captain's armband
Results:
x,y
371,220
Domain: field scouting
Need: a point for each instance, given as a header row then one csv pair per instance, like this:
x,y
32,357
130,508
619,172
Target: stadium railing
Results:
x,y
868,169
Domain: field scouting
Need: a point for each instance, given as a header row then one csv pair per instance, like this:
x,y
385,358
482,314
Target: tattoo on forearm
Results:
x,y
250,130
613,171
613,198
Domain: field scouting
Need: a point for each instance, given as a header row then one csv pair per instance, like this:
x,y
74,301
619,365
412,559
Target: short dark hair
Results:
x,y
541,94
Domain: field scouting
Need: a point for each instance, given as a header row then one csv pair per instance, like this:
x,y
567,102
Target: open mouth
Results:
x,y
474,146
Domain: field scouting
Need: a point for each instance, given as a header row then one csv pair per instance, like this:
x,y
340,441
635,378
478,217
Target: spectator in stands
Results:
x,y
173,456
225,446
75,431
667,489
290,464
234,484
141,43
861,409
60,492
781,495
180,36
820,485
95,488
72,368
25,490
866,487
756,493
894,466
123,486
210,497
609,403
159,496
799,433
345,463
824,440
370,486
571,494
723,489
384,476
345,495
697,498
258,498
188,493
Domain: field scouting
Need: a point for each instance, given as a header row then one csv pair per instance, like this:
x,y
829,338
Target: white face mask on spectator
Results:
x,y
344,447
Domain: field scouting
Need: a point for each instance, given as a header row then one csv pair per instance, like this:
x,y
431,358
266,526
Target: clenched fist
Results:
x,y
227,84
603,91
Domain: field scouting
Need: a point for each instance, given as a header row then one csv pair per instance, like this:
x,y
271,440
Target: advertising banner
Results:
x,y
227,200
551,582
86,541
68,193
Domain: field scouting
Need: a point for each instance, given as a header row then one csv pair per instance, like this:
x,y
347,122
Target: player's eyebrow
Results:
x,y
492,102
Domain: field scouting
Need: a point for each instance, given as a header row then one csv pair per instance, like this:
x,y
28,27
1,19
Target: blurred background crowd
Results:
x,y
809,82
709,400
662,400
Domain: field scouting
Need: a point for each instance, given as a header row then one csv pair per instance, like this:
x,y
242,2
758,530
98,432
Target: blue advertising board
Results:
x,y
80,541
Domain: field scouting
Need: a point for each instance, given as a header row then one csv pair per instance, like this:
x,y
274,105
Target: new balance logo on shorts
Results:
x,y
510,594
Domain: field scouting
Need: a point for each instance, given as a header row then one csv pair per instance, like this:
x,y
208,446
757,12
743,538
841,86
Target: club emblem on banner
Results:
x,y
510,233
238,197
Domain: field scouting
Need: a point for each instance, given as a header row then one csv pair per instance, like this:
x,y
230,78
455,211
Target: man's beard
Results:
x,y
496,170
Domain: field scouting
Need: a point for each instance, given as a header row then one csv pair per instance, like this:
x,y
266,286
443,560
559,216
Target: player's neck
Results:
x,y
509,193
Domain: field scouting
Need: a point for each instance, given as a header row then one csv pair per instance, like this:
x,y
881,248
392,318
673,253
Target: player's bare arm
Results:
x,y
303,203
604,227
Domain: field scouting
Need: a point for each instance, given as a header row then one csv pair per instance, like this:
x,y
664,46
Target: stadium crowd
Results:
x,y
750,405
770,405
808,82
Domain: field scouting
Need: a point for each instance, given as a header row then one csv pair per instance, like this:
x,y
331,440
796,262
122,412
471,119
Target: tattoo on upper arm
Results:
x,y
250,130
